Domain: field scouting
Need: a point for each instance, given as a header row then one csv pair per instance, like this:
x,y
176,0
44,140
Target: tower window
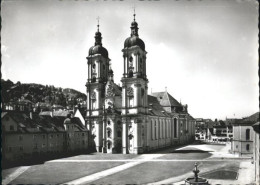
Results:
x,y
141,64
131,62
247,134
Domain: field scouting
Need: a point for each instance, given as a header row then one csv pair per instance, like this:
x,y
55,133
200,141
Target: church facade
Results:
x,y
125,119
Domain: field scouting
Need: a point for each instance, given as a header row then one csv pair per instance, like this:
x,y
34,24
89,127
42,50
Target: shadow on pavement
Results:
x,y
190,151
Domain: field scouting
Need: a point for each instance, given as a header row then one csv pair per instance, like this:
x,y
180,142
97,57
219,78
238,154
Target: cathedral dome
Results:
x,y
98,49
134,41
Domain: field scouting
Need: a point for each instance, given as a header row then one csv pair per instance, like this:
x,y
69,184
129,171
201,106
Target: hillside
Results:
x,y
37,93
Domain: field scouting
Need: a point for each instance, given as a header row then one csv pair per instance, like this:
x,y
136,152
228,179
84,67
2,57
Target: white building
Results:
x,y
125,118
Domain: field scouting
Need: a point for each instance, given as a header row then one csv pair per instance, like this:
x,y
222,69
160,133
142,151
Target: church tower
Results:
x,y
134,92
98,74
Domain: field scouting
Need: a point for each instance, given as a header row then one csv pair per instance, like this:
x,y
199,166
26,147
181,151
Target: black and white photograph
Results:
x,y
130,92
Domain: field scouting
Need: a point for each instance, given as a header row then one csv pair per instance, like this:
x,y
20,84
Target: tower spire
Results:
x,y
134,26
98,23
134,12
98,37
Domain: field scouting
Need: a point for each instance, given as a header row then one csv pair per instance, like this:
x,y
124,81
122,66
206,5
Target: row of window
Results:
x,y
109,133
163,129
20,137
11,148
247,147
43,145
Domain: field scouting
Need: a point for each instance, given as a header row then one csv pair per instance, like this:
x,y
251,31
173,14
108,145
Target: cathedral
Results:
x,y
124,118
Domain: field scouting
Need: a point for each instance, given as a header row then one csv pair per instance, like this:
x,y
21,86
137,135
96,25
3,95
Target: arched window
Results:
x,y
247,147
130,94
155,129
163,129
108,122
93,102
108,145
131,62
159,130
151,129
247,134
175,127
109,133
94,68
142,95
141,64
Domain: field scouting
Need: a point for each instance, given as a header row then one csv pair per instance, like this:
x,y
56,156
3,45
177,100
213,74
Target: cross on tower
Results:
x,y
134,12
98,22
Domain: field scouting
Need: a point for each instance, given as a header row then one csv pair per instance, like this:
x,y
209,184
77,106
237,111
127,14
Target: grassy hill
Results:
x,y
11,92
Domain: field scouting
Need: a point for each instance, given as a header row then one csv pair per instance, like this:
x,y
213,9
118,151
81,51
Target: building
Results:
x,y
27,136
220,132
125,119
256,151
242,143
202,129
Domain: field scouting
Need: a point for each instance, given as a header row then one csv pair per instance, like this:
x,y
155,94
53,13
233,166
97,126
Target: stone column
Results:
x,y
124,66
89,67
98,136
104,148
136,63
125,136
124,99
127,66
136,96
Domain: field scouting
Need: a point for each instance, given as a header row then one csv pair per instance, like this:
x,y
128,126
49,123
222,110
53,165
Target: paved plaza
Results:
x,y
168,166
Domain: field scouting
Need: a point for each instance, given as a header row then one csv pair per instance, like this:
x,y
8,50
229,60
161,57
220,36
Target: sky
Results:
x,y
203,52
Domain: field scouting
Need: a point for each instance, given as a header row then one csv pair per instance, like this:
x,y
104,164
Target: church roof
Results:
x,y
155,108
250,120
134,41
253,118
256,127
166,100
